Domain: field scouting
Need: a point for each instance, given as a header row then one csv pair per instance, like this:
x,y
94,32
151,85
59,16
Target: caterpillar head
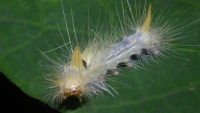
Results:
x,y
73,87
73,84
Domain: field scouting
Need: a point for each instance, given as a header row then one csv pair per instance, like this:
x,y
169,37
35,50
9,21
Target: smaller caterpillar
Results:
x,y
85,72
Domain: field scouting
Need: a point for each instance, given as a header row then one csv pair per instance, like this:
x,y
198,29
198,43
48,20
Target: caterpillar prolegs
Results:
x,y
86,71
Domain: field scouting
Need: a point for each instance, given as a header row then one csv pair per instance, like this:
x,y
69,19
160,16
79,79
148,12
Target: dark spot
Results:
x,y
145,52
122,64
112,71
151,52
84,64
109,71
135,57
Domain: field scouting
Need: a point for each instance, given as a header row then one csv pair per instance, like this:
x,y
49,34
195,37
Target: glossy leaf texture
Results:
x,y
169,86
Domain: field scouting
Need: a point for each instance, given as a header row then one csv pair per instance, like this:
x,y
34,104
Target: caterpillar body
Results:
x,y
85,73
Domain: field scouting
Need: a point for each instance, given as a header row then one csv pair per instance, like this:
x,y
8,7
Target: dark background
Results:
x,y
14,100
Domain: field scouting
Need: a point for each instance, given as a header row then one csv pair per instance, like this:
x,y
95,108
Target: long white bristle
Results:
x,y
84,72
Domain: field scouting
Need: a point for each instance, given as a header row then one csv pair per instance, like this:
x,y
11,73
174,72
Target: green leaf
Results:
x,y
171,86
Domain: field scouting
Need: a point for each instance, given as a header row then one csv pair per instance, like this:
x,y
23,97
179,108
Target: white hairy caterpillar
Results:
x,y
74,78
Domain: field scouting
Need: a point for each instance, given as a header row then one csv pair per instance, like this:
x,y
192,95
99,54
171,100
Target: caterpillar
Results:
x,y
84,72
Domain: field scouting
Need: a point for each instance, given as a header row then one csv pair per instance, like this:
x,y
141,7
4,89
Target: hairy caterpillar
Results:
x,y
85,72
